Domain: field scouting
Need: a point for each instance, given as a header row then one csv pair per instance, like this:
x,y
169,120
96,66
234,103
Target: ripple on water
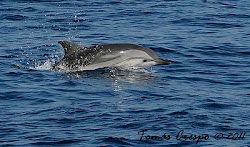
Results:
x,y
130,125
216,105
14,17
58,142
178,113
116,141
222,25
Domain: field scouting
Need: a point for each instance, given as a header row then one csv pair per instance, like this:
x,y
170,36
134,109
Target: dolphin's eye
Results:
x,y
145,60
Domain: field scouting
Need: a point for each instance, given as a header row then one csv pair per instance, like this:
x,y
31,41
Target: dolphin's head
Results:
x,y
132,55
141,56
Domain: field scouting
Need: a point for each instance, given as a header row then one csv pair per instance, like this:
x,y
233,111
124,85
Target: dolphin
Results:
x,y
78,58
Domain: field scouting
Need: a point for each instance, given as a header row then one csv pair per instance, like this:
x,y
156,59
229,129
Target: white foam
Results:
x,y
47,65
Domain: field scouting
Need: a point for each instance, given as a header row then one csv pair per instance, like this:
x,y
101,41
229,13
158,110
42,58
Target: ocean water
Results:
x,y
201,99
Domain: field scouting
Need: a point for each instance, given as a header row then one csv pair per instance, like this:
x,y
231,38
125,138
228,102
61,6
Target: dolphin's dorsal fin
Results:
x,y
69,47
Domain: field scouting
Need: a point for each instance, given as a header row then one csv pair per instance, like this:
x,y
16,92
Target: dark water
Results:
x,y
204,92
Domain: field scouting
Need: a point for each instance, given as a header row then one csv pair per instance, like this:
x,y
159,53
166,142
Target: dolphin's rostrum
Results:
x,y
79,58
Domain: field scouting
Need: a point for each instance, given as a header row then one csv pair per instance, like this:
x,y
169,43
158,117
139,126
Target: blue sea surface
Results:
x,y
201,99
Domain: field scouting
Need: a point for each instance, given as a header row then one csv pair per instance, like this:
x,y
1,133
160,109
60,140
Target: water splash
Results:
x,y
47,65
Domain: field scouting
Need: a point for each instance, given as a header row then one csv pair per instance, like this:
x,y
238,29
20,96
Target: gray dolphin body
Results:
x,y
79,58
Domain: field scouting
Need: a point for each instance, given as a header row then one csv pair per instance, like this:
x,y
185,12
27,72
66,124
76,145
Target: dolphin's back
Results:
x,y
124,47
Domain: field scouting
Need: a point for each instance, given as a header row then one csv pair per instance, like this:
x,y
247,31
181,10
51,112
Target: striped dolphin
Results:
x,y
79,58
